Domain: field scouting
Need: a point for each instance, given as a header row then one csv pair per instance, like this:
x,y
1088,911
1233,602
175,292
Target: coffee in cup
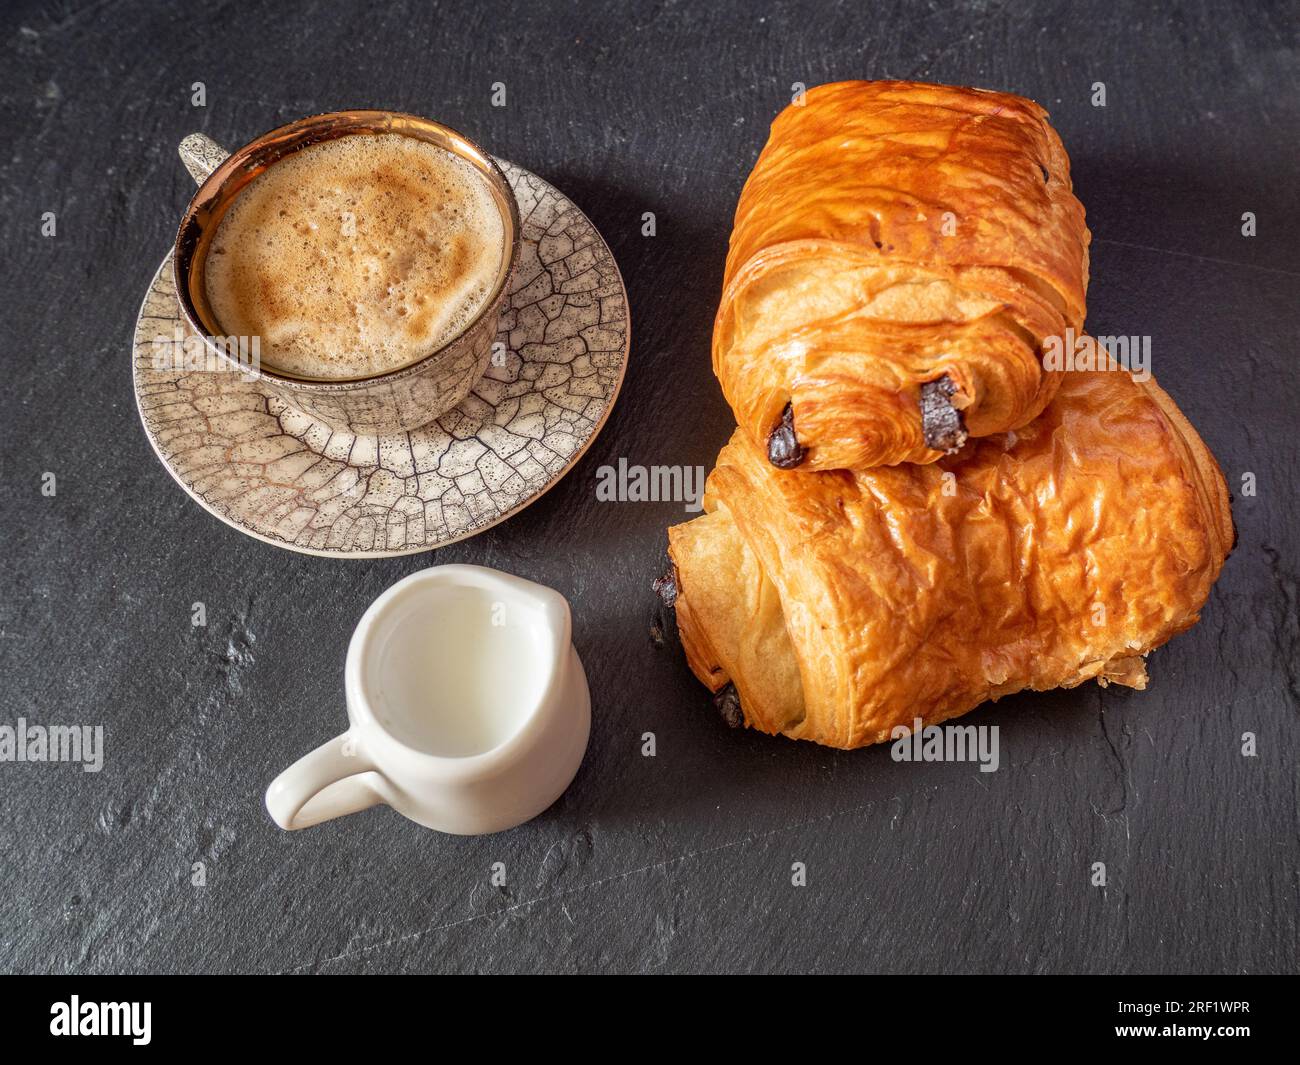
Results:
x,y
365,258
357,256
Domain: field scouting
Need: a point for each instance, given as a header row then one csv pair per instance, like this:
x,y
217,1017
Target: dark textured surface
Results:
x,y
681,861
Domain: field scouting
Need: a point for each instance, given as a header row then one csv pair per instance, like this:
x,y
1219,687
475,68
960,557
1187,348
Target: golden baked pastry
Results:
x,y
899,255
840,605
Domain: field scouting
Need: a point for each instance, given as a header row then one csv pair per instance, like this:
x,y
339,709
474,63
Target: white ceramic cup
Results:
x,y
468,707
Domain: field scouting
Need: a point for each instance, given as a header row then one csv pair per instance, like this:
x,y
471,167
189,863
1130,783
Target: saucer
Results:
x,y
279,475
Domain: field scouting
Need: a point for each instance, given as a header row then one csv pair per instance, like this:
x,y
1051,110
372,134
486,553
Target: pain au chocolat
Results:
x,y
900,253
839,605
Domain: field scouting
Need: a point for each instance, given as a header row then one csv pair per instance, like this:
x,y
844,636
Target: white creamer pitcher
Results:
x,y
468,705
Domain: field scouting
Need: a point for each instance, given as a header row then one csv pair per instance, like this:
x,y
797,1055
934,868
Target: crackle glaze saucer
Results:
x,y
278,475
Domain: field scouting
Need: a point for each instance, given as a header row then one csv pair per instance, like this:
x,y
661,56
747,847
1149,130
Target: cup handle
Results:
x,y
337,778
201,155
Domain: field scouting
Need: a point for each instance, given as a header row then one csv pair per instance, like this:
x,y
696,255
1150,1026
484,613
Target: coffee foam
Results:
x,y
356,256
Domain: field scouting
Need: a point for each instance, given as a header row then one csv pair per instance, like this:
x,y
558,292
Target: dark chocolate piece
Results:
x,y
941,422
783,450
727,700
666,587
1046,175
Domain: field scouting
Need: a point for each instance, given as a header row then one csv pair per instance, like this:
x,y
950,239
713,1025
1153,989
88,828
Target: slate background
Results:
x,y
680,862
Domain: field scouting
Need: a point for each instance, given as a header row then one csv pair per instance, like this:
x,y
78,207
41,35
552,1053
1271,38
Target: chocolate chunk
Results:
x,y
1046,174
783,450
940,421
728,703
664,622
666,587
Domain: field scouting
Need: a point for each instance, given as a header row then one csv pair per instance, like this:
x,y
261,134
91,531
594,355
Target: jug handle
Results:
x,y
337,778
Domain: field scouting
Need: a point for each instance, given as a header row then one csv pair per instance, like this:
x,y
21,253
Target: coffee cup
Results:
x,y
420,375
467,704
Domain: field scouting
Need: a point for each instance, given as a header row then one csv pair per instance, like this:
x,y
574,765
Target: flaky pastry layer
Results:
x,y
841,605
894,234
